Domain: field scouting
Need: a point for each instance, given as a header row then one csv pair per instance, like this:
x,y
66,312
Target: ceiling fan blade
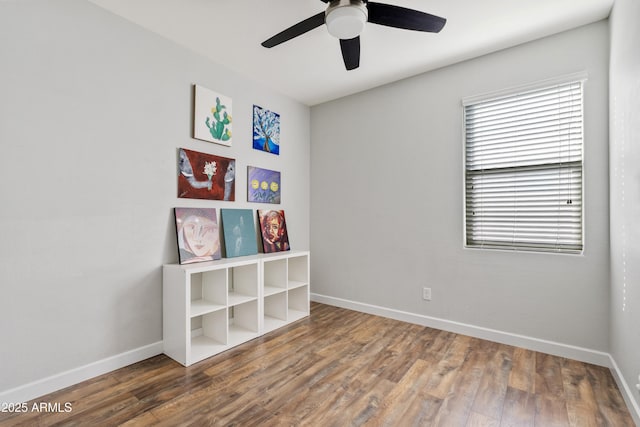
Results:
x,y
351,52
295,30
401,17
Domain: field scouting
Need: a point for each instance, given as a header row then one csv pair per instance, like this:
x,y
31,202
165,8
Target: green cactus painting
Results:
x,y
219,126
212,116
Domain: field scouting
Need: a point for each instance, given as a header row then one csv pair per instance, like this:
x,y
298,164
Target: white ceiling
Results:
x,y
309,68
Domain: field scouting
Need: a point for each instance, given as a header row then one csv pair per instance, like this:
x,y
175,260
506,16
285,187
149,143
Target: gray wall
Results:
x,y
92,111
625,188
387,208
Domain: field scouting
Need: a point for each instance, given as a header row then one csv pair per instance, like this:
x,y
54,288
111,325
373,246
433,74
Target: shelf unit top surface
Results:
x,y
198,267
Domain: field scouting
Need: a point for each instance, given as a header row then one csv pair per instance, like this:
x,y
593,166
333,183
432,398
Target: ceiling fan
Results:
x,y
345,20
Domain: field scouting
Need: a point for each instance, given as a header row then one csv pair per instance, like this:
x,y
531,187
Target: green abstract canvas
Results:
x,y
239,232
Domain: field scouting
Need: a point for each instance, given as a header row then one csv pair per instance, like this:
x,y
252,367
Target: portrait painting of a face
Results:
x,y
198,235
274,231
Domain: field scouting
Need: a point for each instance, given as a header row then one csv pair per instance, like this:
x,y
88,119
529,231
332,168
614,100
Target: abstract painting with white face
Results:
x,y
198,235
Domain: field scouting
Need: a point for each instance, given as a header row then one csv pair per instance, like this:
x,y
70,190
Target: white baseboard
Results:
x,y
59,381
557,349
626,392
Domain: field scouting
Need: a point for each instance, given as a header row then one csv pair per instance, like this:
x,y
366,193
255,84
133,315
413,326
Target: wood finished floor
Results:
x,y
339,368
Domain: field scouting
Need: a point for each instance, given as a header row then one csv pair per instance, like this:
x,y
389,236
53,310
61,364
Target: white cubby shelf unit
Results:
x,y
213,306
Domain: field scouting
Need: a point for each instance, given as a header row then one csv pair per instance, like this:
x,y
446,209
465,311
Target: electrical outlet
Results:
x,y
426,294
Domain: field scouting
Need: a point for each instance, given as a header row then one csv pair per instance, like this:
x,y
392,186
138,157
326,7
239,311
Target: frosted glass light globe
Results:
x,y
346,22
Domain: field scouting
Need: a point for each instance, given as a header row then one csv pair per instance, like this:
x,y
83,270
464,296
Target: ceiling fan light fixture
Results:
x,y
345,19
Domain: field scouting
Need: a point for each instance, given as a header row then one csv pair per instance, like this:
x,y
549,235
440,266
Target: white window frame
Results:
x,y
540,85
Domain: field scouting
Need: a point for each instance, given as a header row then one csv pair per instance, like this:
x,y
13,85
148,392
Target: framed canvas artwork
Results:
x,y
239,232
273,229
263,185
198,234
205,176
211,116
266,130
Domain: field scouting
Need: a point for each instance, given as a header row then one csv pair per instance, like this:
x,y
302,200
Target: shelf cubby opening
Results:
x,y
275,311
275,275
208,334
208,292
298,303
243,322
298,271
243,284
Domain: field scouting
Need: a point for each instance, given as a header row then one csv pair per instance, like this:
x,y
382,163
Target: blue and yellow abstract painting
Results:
x,y
266,130
263,185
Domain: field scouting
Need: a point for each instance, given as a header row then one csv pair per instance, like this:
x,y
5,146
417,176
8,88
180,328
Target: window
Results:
x,y
523,170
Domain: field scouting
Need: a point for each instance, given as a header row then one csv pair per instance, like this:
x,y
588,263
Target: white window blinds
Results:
x,y
523,170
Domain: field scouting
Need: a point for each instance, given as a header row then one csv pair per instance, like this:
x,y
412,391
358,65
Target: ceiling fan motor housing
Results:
x,y
345,19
